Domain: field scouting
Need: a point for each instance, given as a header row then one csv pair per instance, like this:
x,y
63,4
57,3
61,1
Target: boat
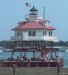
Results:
x,y
8,50
61,48
66,50
1,51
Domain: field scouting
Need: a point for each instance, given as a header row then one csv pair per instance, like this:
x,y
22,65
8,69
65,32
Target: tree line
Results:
x,y
9,44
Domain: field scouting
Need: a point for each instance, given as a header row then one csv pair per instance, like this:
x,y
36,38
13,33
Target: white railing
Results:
x,y
51,38
45,38
16,37
35,38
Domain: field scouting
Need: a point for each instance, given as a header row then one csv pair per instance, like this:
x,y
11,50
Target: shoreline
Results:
x,y
32,71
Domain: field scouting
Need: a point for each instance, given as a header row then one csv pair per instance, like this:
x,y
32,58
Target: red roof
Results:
x,y
32,25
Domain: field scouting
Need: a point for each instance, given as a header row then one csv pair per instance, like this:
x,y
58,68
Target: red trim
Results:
x,y
32,25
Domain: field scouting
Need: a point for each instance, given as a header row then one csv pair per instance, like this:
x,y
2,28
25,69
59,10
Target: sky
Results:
x,y
14,11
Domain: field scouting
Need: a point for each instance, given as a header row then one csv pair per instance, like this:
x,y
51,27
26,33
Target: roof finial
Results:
x,y
33,9
33,6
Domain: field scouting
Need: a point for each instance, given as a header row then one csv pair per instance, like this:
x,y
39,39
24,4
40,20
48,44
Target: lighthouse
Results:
x,y
34,28
34,35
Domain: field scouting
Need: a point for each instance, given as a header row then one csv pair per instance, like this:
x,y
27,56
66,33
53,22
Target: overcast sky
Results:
x,y
13,11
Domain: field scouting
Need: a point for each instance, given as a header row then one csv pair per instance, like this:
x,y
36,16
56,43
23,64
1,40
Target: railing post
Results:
x,y
13,69
58,68
36,63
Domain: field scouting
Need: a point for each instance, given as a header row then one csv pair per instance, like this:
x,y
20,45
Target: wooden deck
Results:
x,y
30,63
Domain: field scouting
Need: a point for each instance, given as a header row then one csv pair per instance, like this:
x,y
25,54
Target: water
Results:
x,y
5,55
65,55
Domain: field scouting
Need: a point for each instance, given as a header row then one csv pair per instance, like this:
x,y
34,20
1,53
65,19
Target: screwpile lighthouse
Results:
x,y
33,35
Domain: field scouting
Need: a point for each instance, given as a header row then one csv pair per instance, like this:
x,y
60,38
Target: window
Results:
x,y
44,33
32,33
18,33
50,33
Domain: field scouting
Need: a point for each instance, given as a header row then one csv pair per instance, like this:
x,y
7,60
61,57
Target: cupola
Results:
x,y
33,11
33,14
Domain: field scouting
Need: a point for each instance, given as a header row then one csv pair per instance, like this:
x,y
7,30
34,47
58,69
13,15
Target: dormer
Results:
x,y
45,22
